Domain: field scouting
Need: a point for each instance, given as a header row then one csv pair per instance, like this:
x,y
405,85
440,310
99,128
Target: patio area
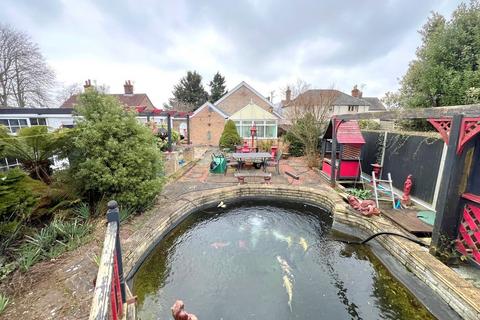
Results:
x,y
201,177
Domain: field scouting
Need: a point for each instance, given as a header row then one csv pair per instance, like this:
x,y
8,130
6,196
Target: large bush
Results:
x,y
230,137
114,156
295,146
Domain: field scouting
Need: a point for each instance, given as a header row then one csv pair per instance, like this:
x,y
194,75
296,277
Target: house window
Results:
x,y
13,125
266,129
353,108
8,163
38,122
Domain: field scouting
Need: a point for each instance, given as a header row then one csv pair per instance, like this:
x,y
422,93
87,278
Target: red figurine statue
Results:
x,y
179,313
407,188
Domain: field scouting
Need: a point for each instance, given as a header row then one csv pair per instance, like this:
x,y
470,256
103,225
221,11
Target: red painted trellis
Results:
x,y
443,127
468,241
116,303
469,128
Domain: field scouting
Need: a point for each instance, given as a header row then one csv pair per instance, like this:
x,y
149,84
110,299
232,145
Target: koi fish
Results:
x,y
242,244
281,237
288,286
219,245
285,266
303,243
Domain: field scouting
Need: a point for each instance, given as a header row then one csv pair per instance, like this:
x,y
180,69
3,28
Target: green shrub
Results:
x,y
52,240
296,147
362,194
114,156
33,147
266,145
230,137
162,141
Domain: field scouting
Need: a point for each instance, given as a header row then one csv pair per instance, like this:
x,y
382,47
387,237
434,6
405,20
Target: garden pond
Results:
x,y
264,260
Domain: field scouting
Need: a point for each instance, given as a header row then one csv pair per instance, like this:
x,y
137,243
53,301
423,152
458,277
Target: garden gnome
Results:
x,y
407,187
179,313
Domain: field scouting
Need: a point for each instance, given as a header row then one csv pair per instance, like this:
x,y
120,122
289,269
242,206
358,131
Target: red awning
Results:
x,y
348,132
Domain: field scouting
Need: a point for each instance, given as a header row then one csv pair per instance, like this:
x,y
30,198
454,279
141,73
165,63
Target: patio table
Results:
x,y
240,157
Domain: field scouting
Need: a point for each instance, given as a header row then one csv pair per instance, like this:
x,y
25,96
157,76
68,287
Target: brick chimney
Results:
x,y
128,87
288,95
87,85
356,93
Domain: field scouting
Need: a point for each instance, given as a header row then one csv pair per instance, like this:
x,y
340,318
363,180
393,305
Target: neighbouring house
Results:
x,y
16,118
336,102
141,103
245,106
128,98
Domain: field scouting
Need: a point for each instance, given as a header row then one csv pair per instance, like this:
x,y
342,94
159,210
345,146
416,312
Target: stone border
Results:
x,y
459,294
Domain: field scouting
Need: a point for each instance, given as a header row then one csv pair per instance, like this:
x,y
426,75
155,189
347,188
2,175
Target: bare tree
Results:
x,y
66,91
181,105
25,77
308,113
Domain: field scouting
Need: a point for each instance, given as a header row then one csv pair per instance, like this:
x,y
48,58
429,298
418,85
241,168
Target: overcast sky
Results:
x,y
268,44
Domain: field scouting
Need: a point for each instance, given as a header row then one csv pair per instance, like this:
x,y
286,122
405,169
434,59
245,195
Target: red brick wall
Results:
x,y
239,99
206,127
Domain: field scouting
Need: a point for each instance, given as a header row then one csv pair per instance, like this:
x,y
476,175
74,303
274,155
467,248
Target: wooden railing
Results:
x,y
110,295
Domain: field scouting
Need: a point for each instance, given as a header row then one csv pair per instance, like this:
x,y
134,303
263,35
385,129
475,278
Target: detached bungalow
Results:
x,y
245,106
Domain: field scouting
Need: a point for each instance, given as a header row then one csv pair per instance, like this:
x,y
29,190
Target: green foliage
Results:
x,y
19,195
266,145
362,194
125,213
230,137
3,302
189,92
369,124
296,147
52,240
114,155
217,87
82,212
446,69
33,147
6,269
162,139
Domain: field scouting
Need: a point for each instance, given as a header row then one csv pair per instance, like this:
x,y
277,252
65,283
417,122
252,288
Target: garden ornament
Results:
x,y
366,207
407,188
179,313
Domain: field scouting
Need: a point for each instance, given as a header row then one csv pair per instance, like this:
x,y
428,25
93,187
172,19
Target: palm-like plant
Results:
x,y
33,147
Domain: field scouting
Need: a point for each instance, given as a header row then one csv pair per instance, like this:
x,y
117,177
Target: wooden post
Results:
x,y
188,128
447,218
169,132
333,172
113,215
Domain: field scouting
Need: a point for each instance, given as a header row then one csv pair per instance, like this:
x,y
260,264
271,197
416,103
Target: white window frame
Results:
x,y
353,108
9,164
9,126
245,123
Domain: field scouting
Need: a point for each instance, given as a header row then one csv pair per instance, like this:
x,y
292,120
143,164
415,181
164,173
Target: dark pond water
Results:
x,y
259,261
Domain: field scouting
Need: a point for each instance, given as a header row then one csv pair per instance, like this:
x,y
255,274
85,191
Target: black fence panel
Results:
x,y
416,155
371,149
